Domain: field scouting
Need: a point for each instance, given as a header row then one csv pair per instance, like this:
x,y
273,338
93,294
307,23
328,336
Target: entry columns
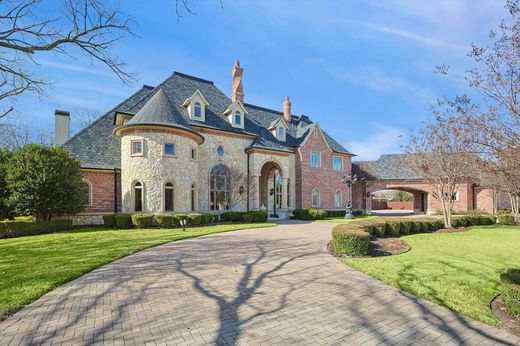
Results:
x,y
284,193
256,192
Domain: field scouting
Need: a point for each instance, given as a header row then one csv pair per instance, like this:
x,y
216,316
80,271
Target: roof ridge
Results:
x,y
263,108
192,77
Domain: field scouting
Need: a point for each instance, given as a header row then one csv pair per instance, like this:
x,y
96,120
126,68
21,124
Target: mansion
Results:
x,y
184,146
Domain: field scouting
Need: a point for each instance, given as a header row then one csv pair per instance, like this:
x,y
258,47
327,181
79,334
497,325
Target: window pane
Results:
x,y
193,154
220,151
138,192
192,198
238,118
169,149
168,199
86,193
337,163
338,200
198,110
137,148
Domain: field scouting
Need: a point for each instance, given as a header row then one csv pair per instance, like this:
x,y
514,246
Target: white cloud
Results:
x,y
78,67
384,140
371,78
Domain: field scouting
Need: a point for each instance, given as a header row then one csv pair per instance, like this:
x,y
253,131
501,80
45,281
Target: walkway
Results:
x,y
264,286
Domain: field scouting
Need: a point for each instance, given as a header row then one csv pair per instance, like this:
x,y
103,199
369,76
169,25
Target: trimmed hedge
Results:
x,y
194,219
109,220
142,220
352,242
506,219
123,221
20,228
231,216
255,216
166,220
396,227
309,214
510,288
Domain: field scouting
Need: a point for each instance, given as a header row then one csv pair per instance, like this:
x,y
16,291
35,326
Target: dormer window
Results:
x,y
196,105
236,114
280,133
197,110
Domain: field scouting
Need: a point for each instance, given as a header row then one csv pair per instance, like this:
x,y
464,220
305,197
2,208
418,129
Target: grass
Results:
x,y
458,270
341,219
33,266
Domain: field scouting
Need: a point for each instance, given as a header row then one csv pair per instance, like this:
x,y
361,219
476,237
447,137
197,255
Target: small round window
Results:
x,y
220,151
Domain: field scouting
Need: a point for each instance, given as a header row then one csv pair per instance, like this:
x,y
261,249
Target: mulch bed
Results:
x,y
380,247
509,323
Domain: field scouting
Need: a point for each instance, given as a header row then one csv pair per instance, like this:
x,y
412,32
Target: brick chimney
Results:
x,y
287,109
61,126
237,91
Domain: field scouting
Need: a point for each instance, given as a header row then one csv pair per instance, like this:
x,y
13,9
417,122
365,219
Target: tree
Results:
x,y
92,27
438,153
493,128
5,210
44,182
241,185
13,135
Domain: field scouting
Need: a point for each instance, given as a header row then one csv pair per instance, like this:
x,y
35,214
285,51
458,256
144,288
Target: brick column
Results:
x,y
284,193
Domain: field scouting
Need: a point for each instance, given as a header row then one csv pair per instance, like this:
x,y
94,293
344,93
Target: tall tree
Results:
x,y
88,27
438,153
495,127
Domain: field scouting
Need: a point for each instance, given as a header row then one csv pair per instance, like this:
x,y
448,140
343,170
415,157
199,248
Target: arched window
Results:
x,y
197,110
338,199
193,198
238,118
219,186
87,193
169,194
315,198
138,196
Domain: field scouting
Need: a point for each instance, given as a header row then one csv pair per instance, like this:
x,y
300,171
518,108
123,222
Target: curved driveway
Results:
x,y
263,286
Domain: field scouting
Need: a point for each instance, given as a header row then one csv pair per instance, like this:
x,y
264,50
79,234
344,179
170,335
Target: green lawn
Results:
x,y
341,219
33,266
458,270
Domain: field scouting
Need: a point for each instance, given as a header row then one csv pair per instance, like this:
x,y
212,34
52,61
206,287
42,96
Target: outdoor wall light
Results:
x,y
183,223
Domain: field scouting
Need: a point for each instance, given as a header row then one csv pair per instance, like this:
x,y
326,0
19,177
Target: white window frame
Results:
x,y
89,202
337,157
195,110
239,113
132,153
319,159
457,197
312,198
134,183
281,136
340,199
174,149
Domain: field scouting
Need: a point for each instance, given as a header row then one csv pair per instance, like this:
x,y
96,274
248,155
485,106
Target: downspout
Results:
x,y
248,181
115,190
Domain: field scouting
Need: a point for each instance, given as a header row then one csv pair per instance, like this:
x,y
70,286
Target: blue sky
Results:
x,y
363,69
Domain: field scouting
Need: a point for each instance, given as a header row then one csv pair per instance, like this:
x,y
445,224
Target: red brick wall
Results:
x,y
325,179
484,199
378,204
103,198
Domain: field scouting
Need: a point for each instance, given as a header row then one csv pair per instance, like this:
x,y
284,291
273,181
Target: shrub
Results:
x,y
109,220
206,219
194,219
179,217
309,214
255,216
232,216
393,228
506,219
123,221
352,242
166,220
510,288
336,213
142,220
406,227
488,220
18,228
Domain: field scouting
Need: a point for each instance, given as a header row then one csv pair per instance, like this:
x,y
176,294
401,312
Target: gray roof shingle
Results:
x,y
97,147
389,167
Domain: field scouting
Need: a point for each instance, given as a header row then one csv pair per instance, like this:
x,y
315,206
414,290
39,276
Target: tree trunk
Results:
x,y
515,206
495,201
446,212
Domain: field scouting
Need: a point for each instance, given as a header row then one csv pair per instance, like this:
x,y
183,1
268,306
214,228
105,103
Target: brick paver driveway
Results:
x,y
264,286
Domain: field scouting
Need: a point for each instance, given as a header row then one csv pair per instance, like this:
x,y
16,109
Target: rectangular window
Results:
x,y
315,199
337,163
315,159
337,201
168,199
238,119
137,148
193,154
169,149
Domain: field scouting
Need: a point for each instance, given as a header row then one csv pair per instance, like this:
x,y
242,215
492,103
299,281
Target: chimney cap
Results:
x,y
60,112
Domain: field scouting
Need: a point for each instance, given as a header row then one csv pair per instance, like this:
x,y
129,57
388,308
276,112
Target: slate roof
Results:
x,y
390,167
97,147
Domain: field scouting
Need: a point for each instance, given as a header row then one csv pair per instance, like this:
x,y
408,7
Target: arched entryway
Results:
x,y
397,199
272,192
